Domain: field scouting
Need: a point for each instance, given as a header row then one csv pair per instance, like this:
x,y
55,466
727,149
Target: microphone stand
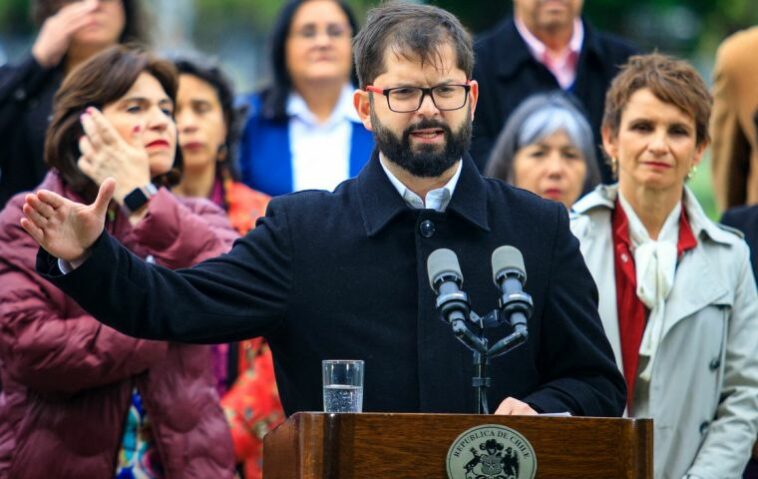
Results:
x,y
479,344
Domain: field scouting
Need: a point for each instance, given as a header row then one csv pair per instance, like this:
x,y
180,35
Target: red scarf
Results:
x,y
632,313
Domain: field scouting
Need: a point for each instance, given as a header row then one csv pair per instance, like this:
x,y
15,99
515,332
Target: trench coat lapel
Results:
x,y
696,285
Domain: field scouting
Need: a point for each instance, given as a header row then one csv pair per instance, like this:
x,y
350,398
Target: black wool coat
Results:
x,y
508,73
343,276
26,103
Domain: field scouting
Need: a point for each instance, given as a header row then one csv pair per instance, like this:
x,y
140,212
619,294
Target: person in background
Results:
x,y
734,156
677,297
209,127
79,398
745,219
209,130
546,147
303,132
70,33
545,46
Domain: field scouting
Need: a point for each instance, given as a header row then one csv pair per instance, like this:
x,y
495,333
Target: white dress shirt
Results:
x,y
436,199
564,65
321,151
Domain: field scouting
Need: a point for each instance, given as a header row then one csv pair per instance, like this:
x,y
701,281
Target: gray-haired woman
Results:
x,y
546,148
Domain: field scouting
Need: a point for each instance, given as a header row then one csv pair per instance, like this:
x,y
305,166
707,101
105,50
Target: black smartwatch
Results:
x,y
138,197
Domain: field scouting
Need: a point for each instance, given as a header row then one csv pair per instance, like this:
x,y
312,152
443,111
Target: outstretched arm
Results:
x,y
235,296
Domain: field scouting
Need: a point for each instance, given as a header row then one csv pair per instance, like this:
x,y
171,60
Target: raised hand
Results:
x,y
106,154
64,228
55,35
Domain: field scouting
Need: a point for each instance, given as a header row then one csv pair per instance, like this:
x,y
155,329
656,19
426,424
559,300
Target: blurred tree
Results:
x,y
14,17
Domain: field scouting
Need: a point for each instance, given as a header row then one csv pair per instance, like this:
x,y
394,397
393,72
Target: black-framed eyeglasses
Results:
x,y
407,99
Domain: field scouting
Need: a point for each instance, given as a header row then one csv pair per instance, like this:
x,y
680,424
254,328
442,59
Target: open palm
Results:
x,y
64,228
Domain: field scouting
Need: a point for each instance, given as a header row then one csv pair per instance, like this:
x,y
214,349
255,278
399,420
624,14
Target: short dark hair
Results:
x,y
209,71
97,82
409,30
274,96
539,116
135,26
671,80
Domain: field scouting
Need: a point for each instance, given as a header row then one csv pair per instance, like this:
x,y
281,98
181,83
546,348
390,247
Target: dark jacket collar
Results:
x,y
380,201
513,52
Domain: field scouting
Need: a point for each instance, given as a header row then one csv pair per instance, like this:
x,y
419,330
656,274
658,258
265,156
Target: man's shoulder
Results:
x,y
307,201
495,36
742,217
611,45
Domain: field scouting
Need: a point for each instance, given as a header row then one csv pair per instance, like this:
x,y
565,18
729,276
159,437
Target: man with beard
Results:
x,y
343,274
547,45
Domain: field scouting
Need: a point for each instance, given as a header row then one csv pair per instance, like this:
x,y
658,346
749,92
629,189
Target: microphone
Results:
x,y
509,275
446,279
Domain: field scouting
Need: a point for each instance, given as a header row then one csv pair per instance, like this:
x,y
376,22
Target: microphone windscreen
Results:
x,y
507,257
442,261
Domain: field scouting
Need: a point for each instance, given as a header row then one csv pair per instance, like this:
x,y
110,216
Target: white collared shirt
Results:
x,y
321,151
436,199
565,65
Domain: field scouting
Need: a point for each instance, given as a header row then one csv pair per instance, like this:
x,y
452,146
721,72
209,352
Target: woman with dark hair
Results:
x,y
70,33
209,127
303,131
546,147
80,399
677,296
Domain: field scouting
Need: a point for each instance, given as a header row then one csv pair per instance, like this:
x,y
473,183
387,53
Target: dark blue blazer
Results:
x,y
266,160
343,275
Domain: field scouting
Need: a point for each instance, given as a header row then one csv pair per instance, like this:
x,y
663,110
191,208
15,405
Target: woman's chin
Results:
x,y
196,160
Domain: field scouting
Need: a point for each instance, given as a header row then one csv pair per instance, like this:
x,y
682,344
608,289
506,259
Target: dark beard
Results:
x,y
428,161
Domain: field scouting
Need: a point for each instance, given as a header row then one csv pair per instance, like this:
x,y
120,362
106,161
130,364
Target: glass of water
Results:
x,y
343,385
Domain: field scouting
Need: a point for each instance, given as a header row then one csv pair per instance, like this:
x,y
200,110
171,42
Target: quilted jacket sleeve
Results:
x,y
47,343
181,232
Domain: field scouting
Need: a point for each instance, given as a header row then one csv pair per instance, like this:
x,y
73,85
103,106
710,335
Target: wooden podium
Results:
x,y
410,446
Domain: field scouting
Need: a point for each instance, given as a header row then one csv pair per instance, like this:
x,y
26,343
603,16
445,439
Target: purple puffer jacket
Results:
x,y
67,379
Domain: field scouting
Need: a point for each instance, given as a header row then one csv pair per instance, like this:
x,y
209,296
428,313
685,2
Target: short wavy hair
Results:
x,y
671,80
409,29
97,82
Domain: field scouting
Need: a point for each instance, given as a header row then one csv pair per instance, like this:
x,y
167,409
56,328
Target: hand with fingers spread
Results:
x,y
64,228
106,154
513,407
55,36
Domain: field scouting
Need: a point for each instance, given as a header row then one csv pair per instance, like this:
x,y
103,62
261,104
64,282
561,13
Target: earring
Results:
x,y
692,172
223,153
614,166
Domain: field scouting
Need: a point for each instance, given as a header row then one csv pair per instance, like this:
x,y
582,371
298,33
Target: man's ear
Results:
x,y
473,96
362,104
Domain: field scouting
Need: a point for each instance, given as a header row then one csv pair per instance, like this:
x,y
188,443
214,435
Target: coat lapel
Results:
x,y
696,285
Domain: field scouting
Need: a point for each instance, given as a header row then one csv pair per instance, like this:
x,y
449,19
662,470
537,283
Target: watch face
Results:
x,y
135,200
